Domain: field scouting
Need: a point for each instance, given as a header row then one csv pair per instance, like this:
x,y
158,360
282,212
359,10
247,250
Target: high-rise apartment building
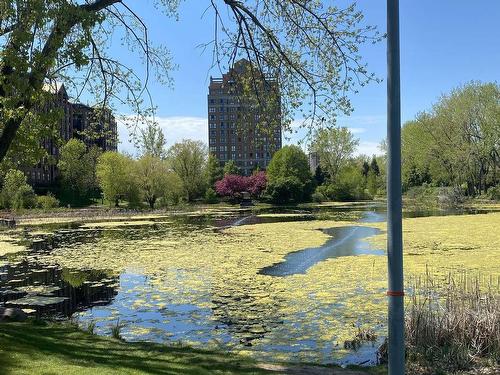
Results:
x,y
77,121
237,129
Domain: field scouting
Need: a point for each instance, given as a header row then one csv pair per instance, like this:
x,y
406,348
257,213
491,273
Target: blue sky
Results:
x,y
444,44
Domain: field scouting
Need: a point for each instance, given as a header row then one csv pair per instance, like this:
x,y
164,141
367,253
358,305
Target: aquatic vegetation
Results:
x,y
203,286
9,245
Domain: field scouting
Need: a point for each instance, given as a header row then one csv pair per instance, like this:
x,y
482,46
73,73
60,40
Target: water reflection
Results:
x,y
345,241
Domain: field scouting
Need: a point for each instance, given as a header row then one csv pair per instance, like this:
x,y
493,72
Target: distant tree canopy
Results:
x,y
310,49
457,142
334,147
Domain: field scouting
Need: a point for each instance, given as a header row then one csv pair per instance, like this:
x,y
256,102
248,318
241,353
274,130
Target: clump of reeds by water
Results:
x,y
454,323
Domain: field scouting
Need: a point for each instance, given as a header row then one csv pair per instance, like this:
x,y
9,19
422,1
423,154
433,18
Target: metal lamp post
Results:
x,y
396,346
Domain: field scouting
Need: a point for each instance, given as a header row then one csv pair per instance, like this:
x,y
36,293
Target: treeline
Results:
x,y
457,143
340,176
186,172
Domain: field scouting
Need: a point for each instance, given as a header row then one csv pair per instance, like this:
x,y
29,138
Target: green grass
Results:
x,y
26,348
52,349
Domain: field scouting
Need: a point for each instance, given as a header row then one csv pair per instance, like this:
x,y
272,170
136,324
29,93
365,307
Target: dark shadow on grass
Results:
x,y
66,344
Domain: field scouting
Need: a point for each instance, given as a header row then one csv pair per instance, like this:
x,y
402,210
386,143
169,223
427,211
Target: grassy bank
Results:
x,y
27,348
61,349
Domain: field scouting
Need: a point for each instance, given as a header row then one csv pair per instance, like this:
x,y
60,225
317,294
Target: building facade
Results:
x,y
235,129
77,121
313,161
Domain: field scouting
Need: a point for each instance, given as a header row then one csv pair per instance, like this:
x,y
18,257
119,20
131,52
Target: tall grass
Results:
x,y
454,324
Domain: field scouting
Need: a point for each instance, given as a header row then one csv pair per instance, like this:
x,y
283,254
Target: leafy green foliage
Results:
x,y
457,142
213,171
231,168
210,196
16,193
334,147
153,141
188,159
115,173
47,202
289,178
77,166
349,185
152,177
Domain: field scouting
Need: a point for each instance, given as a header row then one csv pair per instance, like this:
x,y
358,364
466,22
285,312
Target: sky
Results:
x,y
444,44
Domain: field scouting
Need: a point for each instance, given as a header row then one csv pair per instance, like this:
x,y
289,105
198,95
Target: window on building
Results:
x,y
233,156
233,148
213,148
211,109
213,125
212,117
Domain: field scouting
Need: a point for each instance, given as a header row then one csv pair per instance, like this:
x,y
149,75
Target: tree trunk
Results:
x,y
8,135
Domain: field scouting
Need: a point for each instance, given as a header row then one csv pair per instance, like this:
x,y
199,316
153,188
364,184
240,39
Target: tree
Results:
x,y
188,159
289,178
153,178
16,193
77,166
374,166
153,141
257,183
457,142
115,173
231,168
232,185
312,50
214,171
334,146
365,169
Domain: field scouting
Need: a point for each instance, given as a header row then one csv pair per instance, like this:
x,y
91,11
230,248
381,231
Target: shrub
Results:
x,y
16,193
23,198
46,202
494,193
450,197
285,189
318,197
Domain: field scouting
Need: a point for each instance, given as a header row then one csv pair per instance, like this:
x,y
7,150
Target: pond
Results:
x,y
199,280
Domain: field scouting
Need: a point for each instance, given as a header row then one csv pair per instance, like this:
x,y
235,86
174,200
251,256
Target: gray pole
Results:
x,y
395,293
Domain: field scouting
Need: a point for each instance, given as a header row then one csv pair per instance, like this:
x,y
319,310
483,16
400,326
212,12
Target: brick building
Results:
x,y
235,129
77,121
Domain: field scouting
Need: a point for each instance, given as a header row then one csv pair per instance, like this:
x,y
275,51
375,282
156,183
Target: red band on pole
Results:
x,y
392,293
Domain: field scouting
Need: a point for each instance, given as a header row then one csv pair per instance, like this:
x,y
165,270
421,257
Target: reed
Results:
x,y
454,323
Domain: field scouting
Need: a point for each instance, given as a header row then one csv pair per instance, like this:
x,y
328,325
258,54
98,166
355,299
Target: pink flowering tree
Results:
x,y
257,183
233,185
